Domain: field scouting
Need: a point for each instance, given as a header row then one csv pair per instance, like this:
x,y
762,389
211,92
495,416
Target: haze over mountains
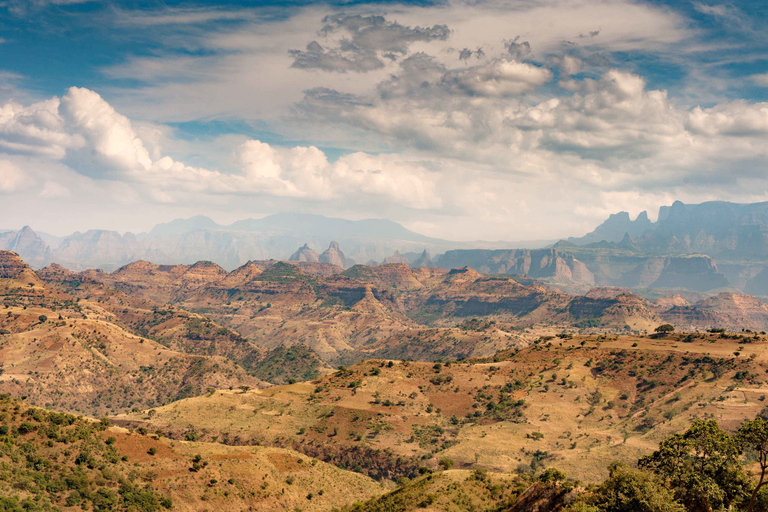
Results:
x,y
200,238
704,248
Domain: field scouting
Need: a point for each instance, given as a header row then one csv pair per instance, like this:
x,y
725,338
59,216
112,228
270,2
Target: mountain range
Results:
x,y
702,248
200,238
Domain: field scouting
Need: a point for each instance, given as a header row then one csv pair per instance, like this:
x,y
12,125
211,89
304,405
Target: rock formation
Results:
x,y
305,253
334,256
395,258
423,261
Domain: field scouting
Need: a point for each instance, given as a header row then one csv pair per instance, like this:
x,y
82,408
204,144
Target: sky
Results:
x,y
464,120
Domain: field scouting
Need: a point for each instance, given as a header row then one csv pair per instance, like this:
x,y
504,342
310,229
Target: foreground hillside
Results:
x,y
573,403
54,461
72,354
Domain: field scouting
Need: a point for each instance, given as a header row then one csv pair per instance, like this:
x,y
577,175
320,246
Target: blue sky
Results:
x,y
504,119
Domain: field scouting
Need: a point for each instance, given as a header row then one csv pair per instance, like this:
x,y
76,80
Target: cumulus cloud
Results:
x,y
347,57
502,78
362,43
86,133
517,51
738,118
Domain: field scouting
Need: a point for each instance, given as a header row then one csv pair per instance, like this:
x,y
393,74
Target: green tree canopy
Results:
x,y
702,467
634,490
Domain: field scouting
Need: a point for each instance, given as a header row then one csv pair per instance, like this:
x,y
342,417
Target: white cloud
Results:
x,y
11,176
761,79
736,118
92,138
503,78
245,71
110,144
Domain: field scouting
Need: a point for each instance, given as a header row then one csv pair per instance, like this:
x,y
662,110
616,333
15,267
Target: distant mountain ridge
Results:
x,y
715,228
201,238
709,247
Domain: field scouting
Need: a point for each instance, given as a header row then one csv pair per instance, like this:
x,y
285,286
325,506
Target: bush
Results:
x,y
634,490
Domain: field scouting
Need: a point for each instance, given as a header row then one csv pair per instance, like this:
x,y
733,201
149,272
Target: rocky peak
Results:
x,y
395,258
28,245
423,261
305,253
615,227
334,256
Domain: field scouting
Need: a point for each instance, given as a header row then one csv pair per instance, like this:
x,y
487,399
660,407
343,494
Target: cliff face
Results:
x,y
334,256
539,263
615,228
698,273
27,244
715,228
83,250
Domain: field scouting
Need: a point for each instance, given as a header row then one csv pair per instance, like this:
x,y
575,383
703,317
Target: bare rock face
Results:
x,y
27,244
537,263
304,253
395,258
334,256
697,273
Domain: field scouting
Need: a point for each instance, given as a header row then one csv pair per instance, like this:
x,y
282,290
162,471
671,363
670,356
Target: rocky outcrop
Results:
x,y
305,253
423,261
698,273
539,263
731,311
27,244
334,256
616,228
15,272
395,258
542,497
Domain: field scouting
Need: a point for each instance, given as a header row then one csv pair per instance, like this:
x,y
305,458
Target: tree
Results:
x,y
633,490
42,319
754,434
702,466
552,476
665,329
244,389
